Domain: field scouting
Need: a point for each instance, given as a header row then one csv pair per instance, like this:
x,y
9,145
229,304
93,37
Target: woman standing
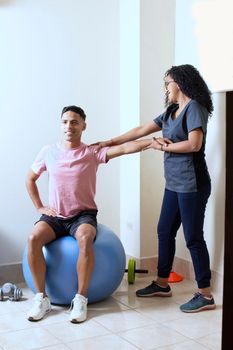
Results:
x,y
188,185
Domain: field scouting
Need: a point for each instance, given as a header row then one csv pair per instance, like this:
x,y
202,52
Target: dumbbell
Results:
x,y
132,270
11,291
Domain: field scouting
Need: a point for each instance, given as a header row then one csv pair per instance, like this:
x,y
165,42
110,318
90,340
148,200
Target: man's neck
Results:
x,y
70,145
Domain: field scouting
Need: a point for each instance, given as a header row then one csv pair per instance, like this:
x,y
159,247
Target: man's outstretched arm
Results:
x,y
127,148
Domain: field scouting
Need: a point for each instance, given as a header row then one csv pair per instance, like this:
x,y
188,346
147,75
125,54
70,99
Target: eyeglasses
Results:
x,y
166,83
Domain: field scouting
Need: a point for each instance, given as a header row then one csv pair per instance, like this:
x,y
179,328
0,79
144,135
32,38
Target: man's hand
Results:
x,y
47,211
163,140
159,143
101,144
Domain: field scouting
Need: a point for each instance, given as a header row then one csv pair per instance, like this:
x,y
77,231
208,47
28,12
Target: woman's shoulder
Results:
x,y
195,105
196,113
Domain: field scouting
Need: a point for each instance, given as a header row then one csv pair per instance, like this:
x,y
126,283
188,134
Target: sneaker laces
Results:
x,y
77,302
196,296
152,284
38,300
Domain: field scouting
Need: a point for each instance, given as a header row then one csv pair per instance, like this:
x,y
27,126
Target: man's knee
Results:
x,y
40,236
34,241
85,236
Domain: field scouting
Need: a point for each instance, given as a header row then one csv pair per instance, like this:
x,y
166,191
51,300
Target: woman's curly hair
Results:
x,y
192,84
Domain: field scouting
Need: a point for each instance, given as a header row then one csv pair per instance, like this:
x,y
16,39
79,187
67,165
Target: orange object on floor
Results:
x,y
175,277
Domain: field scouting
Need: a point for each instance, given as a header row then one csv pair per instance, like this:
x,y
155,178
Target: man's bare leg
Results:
x,y
41,235
85,236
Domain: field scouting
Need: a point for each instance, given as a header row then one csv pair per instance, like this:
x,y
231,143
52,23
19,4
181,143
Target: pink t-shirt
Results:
x,y
72,176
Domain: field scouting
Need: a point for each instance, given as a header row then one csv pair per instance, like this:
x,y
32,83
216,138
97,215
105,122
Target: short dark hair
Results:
x,y
74,109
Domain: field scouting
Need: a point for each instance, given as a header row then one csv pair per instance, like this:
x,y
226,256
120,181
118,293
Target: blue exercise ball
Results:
x,y
61,277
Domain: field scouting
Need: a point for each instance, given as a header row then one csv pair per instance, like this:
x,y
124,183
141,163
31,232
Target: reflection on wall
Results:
x,y
204,38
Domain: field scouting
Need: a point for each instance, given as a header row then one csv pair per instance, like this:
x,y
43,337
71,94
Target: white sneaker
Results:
x,y
40,307
78,309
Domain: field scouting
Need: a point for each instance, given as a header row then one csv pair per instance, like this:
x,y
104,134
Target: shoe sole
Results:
x,y
157,294
38,319
203,308
77,321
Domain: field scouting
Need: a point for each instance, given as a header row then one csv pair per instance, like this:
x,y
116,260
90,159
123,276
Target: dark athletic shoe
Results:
x,y
154,290
198,303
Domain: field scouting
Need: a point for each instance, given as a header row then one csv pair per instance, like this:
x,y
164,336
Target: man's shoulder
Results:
x,y
52,146
98,154
47,149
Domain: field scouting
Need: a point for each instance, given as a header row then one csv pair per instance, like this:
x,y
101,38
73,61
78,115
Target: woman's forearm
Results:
x,y
181,147
135,133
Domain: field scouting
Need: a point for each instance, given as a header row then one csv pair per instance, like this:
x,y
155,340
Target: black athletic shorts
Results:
x,y
66,227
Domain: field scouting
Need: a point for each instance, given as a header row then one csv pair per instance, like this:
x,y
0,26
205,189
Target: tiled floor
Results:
x,y
122,322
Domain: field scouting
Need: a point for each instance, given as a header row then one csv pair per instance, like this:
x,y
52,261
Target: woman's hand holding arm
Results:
x,y
159,143
193,144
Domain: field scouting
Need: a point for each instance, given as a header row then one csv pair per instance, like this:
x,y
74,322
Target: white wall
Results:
x,y
54,53
203,34
147,51
157,54
216,156
129,118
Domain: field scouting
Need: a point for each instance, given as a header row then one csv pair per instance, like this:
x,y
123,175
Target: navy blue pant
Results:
x,y
188,209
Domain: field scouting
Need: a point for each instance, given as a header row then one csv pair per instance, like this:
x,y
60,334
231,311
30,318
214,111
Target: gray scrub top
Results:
x,y
184,172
